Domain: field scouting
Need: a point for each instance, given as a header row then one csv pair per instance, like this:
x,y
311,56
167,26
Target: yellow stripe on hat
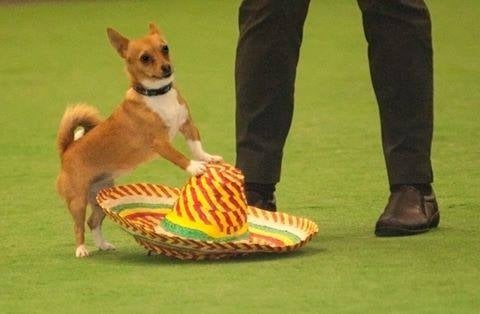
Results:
x,y
135,210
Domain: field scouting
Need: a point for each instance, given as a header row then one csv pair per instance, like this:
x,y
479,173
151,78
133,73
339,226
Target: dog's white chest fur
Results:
x,y
172,113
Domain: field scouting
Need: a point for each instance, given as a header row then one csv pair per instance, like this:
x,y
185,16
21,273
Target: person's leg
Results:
x,y
400,56
267,55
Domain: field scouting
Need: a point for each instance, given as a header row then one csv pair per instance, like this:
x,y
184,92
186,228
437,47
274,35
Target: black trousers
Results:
x,y
398,33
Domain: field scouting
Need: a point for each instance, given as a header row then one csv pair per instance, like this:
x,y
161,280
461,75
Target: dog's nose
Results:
x,y
167,69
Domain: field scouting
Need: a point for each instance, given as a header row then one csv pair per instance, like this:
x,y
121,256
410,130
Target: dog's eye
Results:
x,y
165,49
145,58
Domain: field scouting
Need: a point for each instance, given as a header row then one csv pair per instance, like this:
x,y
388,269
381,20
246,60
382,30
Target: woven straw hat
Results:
x,y
209,218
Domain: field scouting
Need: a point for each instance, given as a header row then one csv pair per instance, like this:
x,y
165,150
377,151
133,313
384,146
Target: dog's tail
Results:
x,y
76,121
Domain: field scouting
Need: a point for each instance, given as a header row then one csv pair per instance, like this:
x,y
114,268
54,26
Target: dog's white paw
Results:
x,y
211,158
196,167
105,246
81,251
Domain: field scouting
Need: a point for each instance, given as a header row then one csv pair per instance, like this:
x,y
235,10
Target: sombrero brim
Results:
x,y
139,208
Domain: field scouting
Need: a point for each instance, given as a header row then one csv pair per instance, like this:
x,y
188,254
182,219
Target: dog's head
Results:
x,y
147,58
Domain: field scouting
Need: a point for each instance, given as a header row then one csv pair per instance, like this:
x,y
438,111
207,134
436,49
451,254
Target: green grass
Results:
x,y
57,53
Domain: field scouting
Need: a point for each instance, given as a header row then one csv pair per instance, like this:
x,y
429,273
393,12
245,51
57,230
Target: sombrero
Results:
x,y
207,219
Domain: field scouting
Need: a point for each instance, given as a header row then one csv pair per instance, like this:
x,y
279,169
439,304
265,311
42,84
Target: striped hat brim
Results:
x,y
139,209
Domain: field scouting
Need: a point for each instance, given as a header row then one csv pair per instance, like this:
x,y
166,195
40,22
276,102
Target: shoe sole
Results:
x,y
398,231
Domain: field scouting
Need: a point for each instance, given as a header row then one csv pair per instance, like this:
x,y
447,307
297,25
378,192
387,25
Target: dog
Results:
x,y
94,152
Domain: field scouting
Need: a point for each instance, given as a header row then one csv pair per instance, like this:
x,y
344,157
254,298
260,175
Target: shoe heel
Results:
x,y
435,221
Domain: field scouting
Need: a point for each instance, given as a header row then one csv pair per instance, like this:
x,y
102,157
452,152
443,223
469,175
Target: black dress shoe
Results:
x,y
261,200
408,212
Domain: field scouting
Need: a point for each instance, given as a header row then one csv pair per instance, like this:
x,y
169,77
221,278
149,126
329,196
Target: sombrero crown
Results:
x,y
210,207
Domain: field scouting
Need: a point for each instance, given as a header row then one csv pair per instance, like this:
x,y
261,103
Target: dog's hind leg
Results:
x,y
77,207
96,217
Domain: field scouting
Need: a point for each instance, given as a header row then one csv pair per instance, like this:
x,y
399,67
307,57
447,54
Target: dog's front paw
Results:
x,y
105,246
211,158
196,167
81,251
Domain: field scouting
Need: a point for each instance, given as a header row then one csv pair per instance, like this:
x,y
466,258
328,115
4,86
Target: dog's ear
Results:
x,y
154,29
119,42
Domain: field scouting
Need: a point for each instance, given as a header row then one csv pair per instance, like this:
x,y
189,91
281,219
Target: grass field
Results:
x,y
56,53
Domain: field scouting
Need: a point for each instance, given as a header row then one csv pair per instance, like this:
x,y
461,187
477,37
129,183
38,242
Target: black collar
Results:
x,y
152,92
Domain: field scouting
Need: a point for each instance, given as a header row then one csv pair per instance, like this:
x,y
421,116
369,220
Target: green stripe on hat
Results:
x,y
196,234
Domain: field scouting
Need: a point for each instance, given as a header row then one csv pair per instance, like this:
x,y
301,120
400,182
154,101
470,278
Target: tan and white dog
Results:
x,y
93,152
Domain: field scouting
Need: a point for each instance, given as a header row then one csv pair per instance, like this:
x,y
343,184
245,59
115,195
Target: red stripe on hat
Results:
x,y
264,214
233,179
270,240
206,195
235,203
124,190
140,214
110,195
164,190
134,189
231,198
217,193
235,189
227,218
153,190
144,189
185,205
177,210
197,206
217,220
233,245
174,192
180,206
118,192
275,216
170,191
222,246
239,218
290,221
